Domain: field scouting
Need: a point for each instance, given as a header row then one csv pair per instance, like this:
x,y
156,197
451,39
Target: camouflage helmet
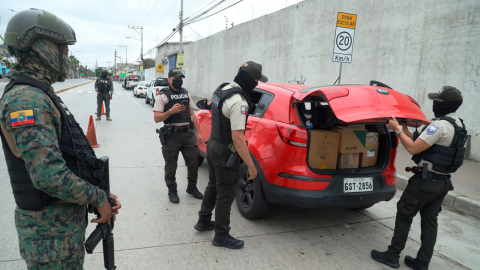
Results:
x,y
25,26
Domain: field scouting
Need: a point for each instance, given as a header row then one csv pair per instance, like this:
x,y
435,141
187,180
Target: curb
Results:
x,y
70,87
452,200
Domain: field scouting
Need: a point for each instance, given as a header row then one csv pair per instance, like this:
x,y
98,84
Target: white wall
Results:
x,y
416,47
150,74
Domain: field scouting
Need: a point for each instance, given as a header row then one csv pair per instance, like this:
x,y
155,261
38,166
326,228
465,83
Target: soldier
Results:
x,y
173,106
230,107
438,152
45,149
104,88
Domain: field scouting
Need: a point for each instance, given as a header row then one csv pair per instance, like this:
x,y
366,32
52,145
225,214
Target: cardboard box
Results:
x,y
348,161
370,155
323,149
351,140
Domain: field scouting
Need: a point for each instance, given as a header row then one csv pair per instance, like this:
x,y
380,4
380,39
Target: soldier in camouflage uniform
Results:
x,y
104,88
52,237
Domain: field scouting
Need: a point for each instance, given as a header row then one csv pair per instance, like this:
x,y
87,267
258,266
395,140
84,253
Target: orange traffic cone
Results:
x,y
103,111
91,136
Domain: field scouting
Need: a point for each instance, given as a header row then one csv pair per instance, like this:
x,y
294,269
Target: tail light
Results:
x,y
158,91
292,134
140,87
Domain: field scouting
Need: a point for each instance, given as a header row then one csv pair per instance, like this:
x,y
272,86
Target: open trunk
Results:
x,y
340,106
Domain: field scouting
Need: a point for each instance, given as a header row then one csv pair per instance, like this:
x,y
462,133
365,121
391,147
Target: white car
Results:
x,y
154,89
141,89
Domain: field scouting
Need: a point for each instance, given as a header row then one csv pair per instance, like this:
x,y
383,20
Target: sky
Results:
x,y
101,26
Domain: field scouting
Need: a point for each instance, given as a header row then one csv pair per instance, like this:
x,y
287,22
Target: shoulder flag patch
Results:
x,y
20,118
244,109
432,129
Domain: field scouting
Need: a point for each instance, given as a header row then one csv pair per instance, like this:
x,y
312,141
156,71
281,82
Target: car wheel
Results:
x,y
200,160
251,201
153,102
146,100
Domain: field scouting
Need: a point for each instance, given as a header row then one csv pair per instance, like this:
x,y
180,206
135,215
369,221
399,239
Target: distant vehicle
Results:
x,y
141,89
129,83
154,89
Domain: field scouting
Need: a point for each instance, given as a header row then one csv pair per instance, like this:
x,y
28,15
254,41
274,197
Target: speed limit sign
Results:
x,y
344,34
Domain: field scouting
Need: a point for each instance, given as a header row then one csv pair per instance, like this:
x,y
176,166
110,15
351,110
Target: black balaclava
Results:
x,y
177,84
443,108
245,81
104,75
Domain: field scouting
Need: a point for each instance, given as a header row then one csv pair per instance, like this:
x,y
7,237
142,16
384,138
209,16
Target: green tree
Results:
x,y
74,63
98,71
148,63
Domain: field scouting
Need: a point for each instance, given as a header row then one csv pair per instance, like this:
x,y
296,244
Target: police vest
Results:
x,y
175,97
446,159
221,126
103,85
76,151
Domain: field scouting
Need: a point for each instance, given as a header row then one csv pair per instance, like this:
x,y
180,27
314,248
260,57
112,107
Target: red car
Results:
x,y
278,142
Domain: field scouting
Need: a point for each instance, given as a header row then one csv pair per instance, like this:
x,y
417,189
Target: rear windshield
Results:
x,y
143,83
161,83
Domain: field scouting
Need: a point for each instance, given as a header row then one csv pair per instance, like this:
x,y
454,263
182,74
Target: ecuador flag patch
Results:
x,y
20,118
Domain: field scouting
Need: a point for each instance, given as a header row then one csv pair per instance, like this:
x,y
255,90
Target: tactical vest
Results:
x,y
76,151
103,85
446,159
221,126
175,97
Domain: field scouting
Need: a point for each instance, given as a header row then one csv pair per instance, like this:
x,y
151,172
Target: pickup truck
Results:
x,y
129,83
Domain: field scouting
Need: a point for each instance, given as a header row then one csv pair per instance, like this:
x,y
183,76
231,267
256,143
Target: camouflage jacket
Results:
x,y
49,234
107,81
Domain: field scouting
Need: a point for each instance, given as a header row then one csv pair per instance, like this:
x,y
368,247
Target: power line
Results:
x,y
149,13
194,31
163,18
149,1
189,22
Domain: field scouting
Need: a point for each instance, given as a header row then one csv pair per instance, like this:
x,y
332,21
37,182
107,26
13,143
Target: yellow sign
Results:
x,y
346,20
180,60
160,68
141,68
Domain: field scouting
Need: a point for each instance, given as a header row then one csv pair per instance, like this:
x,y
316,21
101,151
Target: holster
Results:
x,y
162,135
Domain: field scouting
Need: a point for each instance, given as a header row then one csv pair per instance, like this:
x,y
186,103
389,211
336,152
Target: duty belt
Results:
x,y
430,175
173,129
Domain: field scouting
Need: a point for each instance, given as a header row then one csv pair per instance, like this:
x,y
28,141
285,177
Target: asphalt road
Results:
x,y
152,233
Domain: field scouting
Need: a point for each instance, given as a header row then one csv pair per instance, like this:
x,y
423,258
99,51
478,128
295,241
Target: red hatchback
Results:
x,y
278,142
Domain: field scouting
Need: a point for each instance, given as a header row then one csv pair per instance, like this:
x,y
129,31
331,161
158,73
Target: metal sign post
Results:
x,y
343,43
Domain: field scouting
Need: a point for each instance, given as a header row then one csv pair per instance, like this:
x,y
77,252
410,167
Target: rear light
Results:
x,y
292,134
158,91
140,87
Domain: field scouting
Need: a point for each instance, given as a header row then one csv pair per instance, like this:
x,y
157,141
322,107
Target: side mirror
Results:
x,y
202,104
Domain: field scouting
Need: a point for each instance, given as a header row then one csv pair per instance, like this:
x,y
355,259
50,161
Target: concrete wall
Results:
x,y
150,74
415,47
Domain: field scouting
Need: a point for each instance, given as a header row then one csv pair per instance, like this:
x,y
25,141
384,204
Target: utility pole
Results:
x,y
141,40
226,24
126,55
115,66
181,27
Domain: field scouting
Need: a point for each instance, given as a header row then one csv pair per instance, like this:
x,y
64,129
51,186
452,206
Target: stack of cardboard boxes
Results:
x,y
343,148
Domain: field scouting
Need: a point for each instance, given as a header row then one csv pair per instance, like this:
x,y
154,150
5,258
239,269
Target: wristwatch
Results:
x,y
397,132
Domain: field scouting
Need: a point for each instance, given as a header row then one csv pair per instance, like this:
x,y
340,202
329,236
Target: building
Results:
x,y
167,54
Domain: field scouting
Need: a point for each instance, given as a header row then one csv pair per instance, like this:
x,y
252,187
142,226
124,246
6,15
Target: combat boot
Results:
x,y
98,118
194,192
415,263
227,241
173,196
386,258
204,225
109,119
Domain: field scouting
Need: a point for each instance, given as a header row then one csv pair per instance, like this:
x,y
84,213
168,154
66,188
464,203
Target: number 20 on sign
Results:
x,y
344,34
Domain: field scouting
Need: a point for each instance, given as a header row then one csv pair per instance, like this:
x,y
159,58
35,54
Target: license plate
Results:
x,y
358,184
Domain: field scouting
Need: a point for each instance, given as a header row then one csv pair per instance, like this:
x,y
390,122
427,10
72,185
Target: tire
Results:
x,y
251,201
153,102
146,100
200,160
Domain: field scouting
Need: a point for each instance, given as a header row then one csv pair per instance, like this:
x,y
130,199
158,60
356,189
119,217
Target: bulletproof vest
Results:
x,y
175,97
221,126
103,85
76,151
446,159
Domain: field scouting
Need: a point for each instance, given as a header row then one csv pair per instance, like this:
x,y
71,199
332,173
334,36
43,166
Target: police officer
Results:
x,y
173,106
40,139
438,152
230,107
104,89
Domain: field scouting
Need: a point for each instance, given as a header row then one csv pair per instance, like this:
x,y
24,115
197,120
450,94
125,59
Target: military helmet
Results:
x,y
105,71
25,26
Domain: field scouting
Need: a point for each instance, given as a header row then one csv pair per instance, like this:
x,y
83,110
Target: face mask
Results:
x,y
177,84
62,75
245,81
104,75
445,107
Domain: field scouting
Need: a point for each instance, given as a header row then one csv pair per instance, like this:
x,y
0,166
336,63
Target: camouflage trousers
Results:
x,y
103,97
53,237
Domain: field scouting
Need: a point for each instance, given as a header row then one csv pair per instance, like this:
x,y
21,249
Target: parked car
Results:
x,y
279,143
129,82
154,89
141,89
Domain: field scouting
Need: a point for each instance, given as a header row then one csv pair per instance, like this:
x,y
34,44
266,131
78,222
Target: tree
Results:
x,y
74,64
98,71
148,63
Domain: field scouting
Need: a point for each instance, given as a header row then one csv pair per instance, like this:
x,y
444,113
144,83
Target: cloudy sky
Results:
x,y
101,26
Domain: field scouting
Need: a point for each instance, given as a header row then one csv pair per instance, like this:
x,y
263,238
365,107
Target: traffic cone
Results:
x,y
103,111
91,136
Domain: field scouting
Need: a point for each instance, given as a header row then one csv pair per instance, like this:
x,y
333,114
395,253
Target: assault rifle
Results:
x,y
103,231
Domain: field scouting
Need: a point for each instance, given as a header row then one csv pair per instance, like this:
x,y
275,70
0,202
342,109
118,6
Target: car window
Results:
x,y
161,83
261,100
